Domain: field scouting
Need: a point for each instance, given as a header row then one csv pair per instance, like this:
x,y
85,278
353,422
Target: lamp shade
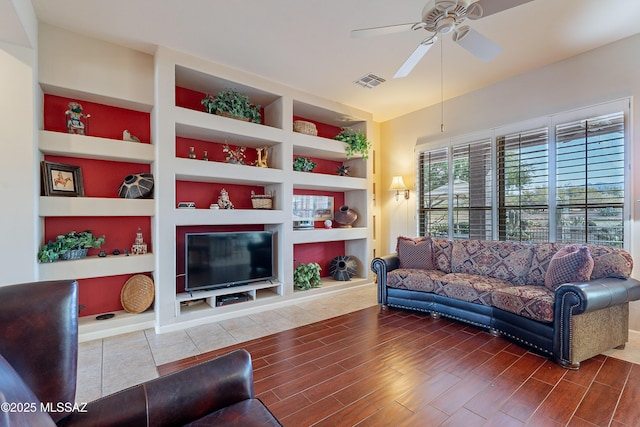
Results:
x,y
397,184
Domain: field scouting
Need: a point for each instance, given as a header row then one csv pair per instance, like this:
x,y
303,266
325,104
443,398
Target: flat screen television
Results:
x,y
224,259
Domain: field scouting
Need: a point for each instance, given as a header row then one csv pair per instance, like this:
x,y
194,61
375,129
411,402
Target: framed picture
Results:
x,y
307,209
61,180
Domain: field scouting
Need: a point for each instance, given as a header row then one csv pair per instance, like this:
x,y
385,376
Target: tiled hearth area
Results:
x,y
112,364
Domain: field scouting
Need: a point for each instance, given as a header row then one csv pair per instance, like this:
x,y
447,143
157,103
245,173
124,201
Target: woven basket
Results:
x,y
74,254
308,128
231,116
262,201
137,293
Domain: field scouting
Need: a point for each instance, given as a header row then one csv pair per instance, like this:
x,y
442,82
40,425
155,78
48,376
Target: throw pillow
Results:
x,y
415,252
569,264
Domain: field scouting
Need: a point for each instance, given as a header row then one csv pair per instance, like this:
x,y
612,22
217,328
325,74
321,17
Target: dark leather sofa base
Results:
x,y
248,413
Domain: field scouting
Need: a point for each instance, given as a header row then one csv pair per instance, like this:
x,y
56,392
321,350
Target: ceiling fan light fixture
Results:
x,y
446,25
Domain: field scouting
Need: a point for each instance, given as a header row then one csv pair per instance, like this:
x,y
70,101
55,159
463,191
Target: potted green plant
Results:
x,y
72,245
307,276
357,142
233,104
303,164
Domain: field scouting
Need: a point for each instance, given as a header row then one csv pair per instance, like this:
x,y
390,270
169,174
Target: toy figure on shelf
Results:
x,y
128,136
74,117
223,200
263,153
234,155
139,247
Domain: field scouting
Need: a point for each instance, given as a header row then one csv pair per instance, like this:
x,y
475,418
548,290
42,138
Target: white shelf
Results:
x,y
203,171
314,146
91,329
316,181
210,127
95,206
94,266
328,235
91,147
229,216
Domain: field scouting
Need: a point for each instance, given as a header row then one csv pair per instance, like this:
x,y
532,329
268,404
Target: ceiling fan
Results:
x,y
441,17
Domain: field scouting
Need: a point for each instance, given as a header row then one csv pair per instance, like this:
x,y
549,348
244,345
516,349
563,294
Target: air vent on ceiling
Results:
x,y
370,81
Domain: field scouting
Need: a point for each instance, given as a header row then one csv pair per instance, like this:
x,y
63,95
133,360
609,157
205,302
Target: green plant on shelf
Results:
x,y
303,164
357,142
233,103
67,242
307,276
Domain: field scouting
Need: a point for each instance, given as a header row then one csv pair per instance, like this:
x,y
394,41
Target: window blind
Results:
x,y
590,180
523,189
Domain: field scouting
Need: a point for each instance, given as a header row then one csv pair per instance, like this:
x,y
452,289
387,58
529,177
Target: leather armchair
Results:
x,y
38,368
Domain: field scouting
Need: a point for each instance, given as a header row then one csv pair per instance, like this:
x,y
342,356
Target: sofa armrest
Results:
x,y
586,299
582,297
381,266
174,399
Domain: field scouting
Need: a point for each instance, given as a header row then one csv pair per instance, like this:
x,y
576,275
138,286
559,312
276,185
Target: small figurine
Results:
x,y
223,200
116,251
192,153
139,247
126,136
205,157
263,153
234,155
74,116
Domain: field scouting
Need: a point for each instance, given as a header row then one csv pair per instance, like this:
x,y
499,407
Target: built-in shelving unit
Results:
x,y
178,72
155,83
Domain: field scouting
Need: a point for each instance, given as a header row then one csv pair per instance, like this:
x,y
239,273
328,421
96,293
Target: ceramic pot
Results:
x,y
136,186
343,268
345,216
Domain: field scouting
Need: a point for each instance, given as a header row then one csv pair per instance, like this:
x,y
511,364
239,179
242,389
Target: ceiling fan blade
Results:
x,y
476,43
489,7
415,57
379,31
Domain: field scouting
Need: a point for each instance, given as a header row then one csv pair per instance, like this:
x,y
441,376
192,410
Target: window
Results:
x,y
459,203
523,183
590,180
564,181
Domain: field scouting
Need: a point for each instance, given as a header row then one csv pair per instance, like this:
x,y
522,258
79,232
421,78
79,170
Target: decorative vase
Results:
x,y
343,268
136,186
74,254
345,216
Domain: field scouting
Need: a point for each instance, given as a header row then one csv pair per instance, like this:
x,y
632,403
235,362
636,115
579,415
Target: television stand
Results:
x,y
257,292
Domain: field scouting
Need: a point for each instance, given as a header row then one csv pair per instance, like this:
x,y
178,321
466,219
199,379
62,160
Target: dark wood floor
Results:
x,y
394,368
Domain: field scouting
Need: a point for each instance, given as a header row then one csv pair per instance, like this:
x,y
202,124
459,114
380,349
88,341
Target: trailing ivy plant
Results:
x,y
357,142
307,276
66,242
233,102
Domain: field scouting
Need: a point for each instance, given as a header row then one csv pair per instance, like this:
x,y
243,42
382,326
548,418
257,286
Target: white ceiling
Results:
x,y
307,44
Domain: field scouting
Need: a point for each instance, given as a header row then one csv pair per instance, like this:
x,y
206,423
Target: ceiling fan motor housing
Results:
x,y
442,16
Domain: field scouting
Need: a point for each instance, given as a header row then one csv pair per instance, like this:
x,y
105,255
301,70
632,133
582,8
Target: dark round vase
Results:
x,y
345,216
343,268
136,186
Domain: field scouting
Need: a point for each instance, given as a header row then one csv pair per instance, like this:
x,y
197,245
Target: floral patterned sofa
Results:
x,y
567,302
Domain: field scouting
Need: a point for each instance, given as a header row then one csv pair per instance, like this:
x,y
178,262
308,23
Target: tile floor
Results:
x,y
111,364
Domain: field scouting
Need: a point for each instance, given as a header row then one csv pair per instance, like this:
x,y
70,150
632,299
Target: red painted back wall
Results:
x,y
101,178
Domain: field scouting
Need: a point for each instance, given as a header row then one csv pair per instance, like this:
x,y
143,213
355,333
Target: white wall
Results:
x,y
605,74
18,177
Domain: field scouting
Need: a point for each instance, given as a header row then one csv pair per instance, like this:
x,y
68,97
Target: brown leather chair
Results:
x,y
38,367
